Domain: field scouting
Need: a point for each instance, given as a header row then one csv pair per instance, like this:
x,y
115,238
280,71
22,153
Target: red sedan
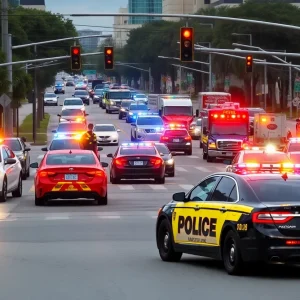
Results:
x,y
70,174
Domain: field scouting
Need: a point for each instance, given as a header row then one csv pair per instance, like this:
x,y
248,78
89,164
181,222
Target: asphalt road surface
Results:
x,y
73,250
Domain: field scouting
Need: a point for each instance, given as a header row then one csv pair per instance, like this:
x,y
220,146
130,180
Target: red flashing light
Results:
x,y
223,116
292,242
271,218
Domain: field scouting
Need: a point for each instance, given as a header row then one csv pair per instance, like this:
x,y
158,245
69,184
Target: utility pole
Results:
x,y
34,123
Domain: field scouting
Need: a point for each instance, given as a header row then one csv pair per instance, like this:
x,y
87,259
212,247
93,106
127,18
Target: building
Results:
x,y
89,44
122,28
178,7
14,2
34,4
144,6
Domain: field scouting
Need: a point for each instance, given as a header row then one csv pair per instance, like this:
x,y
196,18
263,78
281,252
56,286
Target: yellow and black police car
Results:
x,y
235,218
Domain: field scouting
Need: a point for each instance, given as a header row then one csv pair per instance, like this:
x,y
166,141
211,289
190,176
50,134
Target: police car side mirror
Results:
x,y
73,95
109,155
227,162
87,114
179,197
104,165
59,115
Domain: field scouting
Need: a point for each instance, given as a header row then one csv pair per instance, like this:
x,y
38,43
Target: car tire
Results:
x,y
189,152
28,171
160,180
120,117
200,145
106,110
209,158
172,174
113,180
39,201
204,155
18,191
102,200
231,254
3,194
165,245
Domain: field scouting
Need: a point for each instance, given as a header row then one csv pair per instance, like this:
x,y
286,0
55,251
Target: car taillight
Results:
x,y
156,161
188,138
164,138
95,173
120,161
45,174
271,218
292,242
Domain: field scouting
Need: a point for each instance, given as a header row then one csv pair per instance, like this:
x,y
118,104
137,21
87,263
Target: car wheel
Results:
x,y
28,171
3,195
200,145
113,180
120,117
172,174
18,191
102,200
208,158
164,243
106,110
189,152
24,174
38,201
231,253
160,180
204,155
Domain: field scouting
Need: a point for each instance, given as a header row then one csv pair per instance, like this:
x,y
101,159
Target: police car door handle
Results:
x,y
223,209
196,208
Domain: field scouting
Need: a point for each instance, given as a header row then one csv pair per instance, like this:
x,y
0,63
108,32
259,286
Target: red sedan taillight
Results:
x,y
45,174
120,162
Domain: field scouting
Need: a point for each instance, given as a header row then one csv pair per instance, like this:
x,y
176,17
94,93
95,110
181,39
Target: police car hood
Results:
x,y
215,137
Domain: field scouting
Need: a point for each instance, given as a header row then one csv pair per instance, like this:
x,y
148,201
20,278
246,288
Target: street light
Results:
x,y
250,42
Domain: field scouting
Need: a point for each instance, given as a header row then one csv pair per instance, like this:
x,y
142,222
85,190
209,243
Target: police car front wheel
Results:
x,y
232,257
165,245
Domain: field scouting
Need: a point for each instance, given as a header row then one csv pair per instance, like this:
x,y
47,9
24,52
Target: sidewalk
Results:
x,y
24,111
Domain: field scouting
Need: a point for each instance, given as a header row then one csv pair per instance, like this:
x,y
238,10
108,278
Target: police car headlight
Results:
x,y
130,114
170,161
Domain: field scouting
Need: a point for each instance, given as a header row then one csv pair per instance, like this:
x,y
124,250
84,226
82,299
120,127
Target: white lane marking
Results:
x,y
109,217
192,156
180,169
40,156
126,187
154,217
203,169
54,218
186,186
157,187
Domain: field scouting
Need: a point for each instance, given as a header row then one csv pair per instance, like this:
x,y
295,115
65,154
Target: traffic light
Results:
x,y
187,44
108,58
75,58
249,62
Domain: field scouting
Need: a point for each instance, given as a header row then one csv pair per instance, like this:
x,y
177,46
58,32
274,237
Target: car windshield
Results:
x,y
50,95
71,112
70,159
68,127
178,110
265,158
104,128
98,92
137,151
276,190
162,149
77,93
14,145
65,144
149,121
126,103
176,133
140,96
119,95
138,107
294,147
73,102
199,122
253,112
229,128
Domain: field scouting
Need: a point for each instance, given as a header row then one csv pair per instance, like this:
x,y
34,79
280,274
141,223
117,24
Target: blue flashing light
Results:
x,y
59,135
143,144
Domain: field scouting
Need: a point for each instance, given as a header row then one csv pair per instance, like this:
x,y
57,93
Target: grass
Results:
x,y
25,130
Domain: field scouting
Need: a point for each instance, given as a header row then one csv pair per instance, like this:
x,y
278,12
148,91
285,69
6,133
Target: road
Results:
x,y
73,250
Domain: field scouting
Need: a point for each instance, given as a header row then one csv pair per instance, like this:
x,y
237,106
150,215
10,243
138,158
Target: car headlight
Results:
x,y
122,109
170,161
112,102
130,113
140,130
212,144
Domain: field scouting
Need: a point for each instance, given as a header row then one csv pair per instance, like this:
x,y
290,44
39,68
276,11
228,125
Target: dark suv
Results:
x,y
123,111
83,95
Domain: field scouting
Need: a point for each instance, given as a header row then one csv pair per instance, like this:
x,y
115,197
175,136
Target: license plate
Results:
x,y
71,177
229,154
138,163
176,140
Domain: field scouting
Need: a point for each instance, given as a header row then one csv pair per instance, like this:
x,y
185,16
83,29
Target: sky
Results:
x,y
88,6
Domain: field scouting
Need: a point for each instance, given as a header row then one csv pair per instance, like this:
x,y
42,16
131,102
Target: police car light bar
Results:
x,y
137,144
175,125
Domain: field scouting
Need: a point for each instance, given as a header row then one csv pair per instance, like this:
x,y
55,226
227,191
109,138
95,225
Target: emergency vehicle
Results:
x,y
205,99
175,109
224,133
270,128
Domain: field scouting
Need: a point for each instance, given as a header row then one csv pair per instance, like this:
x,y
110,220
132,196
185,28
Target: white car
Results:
x,y
107,134
141,98
73,103
50,99
10,174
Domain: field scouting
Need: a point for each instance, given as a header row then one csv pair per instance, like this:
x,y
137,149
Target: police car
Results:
x,y
147,127
134,110
70,129
234,218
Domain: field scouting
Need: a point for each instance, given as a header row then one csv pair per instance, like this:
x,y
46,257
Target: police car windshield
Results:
x,y
265,157
252,112
138,107
178,110
162,149
71,112
119,95
294,147
149,121
70,159
276,190
64,144
68,127
138,151
229,128
98,92
176,132
80,93
73,102
50,95
126,103
14,145
104,128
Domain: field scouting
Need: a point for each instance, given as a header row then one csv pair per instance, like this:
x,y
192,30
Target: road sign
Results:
x,y
297,85
89,72
4,100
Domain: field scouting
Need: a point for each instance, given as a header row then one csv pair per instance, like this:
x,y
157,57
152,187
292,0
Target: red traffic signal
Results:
x,y
75,58
187,44
75,51
249,63
108,58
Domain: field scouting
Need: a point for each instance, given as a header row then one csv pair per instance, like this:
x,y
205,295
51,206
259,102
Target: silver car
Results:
x,y
147,127
50,99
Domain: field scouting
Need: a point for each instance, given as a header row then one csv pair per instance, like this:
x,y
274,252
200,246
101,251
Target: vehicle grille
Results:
x,y
104,137
150,130
229,145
